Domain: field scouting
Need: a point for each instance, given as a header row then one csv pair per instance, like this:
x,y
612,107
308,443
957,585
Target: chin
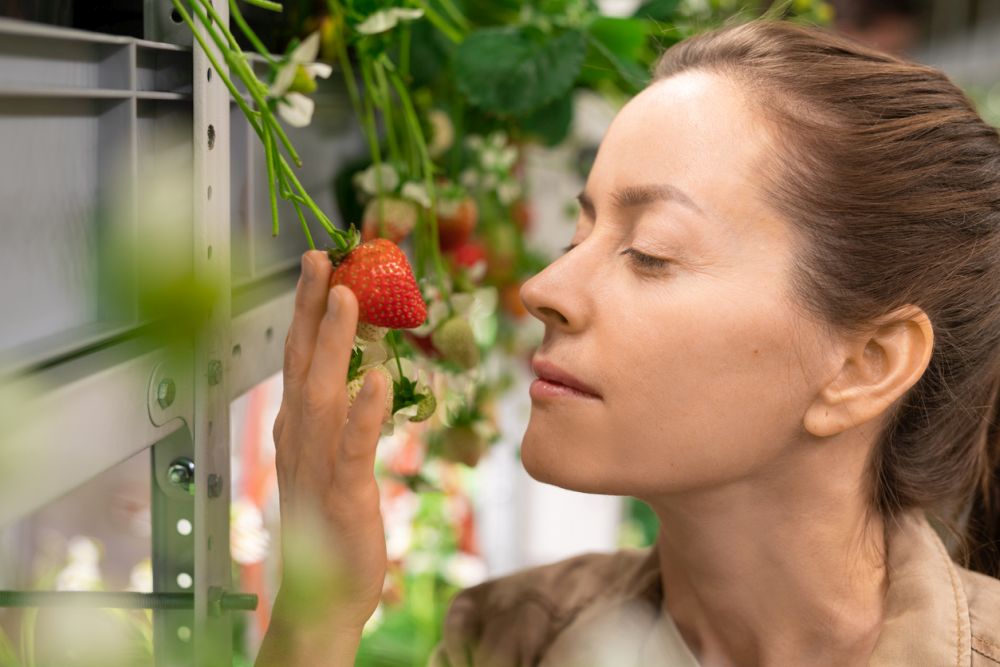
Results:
x,y
547,460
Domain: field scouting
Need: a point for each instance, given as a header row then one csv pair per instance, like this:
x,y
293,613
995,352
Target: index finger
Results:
x,y
310,306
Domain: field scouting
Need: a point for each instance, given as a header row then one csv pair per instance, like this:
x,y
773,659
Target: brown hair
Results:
x,y
892,182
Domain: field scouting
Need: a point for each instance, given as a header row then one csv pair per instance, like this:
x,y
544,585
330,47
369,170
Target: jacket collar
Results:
x,y
926,618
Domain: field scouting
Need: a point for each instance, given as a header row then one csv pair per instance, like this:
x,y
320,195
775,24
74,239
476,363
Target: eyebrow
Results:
x,y
635,196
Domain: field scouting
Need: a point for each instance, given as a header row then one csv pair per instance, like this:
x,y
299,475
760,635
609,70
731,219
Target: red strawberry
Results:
x,y
469,262
400,217
521,212
456,220
380,276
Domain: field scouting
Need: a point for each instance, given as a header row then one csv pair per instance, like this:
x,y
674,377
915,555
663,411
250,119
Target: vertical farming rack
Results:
x,y
87,122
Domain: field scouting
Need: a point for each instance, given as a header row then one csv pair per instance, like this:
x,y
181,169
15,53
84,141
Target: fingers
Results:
x,y
310,306
326,382
354,465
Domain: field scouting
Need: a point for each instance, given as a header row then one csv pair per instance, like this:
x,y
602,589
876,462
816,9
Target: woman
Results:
x,y
781,314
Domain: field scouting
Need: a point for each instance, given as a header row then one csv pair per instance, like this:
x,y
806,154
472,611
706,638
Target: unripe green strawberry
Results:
x,y
381,278
462,444
355,385
370,332
456,343
425,408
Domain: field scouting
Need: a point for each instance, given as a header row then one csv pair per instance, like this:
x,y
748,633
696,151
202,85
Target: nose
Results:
x,y
555,297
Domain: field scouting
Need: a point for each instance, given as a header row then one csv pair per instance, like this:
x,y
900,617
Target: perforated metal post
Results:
x,y
210,425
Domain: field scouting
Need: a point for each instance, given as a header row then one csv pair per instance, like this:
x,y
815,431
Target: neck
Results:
x,y
784,570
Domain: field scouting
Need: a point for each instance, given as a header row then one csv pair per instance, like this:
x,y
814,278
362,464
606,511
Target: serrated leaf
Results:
x,y
513,71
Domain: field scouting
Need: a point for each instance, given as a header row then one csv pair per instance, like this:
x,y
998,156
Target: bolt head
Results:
x,y
166,391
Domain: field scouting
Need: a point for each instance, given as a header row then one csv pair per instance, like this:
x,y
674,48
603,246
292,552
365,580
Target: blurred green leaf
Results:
x,y
551,123
658,10
514,71
625,37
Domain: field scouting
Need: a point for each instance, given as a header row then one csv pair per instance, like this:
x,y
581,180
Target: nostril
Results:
x,y
553,313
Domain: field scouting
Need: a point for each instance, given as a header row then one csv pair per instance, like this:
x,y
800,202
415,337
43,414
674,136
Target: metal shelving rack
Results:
x,y
84,116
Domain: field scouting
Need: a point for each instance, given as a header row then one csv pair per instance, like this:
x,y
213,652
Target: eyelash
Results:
x,y
641,259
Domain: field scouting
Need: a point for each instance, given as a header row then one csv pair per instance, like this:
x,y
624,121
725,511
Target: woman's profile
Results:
x,y
778,324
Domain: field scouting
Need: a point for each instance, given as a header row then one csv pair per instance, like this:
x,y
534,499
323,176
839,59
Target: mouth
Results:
x,y
554,382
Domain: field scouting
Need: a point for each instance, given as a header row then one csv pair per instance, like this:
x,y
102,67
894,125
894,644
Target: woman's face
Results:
x,y
703,366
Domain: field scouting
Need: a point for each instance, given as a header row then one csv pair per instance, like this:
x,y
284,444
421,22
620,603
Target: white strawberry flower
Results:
x,y
387,19
416,192
296,75
365,181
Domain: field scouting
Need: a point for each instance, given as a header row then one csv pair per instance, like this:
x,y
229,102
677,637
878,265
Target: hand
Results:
x,y
333,544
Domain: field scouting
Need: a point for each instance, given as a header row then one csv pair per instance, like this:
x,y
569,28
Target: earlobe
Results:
x,y
880,366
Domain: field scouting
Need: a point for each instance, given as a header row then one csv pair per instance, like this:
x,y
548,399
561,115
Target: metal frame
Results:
x,y
107,395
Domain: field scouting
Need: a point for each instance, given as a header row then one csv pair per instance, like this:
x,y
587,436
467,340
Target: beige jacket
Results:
x,y
601,610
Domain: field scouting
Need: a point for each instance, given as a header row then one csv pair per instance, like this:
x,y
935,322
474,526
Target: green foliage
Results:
x,y
516,70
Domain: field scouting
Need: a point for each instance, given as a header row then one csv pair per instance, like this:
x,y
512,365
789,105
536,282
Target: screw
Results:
x,y
214,372
214,485
166,391
181,473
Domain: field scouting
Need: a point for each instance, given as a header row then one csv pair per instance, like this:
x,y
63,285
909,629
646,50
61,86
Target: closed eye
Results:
x,y
645,261
641,259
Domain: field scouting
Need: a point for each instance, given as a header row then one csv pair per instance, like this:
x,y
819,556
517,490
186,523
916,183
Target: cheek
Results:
x,y
713,396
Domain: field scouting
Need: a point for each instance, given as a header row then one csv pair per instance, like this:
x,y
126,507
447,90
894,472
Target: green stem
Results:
x,y
234,56
240,102
266,4
237,16
404,49
269,159
449,31
395,352
305,225
455,14
387,120
428,167
345,63
371,131
266,122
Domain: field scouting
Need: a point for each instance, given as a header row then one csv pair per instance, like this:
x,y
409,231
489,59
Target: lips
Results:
x,y
548,371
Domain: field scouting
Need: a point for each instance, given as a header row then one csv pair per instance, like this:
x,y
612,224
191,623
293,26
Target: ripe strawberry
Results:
x,y
462,444
400,217
470,260
456,343
355,385
456,219
380,276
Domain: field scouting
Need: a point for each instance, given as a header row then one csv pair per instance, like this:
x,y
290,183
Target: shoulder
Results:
x,y
511,620
983,594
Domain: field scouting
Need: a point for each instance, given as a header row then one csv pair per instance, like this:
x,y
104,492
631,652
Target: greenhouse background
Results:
x,y
146,298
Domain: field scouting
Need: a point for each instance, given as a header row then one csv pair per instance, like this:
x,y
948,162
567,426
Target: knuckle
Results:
x,y
296,362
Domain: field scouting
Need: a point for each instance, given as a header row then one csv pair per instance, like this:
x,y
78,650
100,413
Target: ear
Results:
x,y
878,368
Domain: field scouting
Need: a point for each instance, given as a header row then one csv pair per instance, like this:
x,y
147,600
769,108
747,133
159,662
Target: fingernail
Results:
x,y
307,267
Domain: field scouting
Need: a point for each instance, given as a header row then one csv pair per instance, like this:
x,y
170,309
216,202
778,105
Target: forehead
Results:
x,y
694,131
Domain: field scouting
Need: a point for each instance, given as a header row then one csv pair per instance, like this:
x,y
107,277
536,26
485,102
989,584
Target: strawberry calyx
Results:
x,y
338,255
